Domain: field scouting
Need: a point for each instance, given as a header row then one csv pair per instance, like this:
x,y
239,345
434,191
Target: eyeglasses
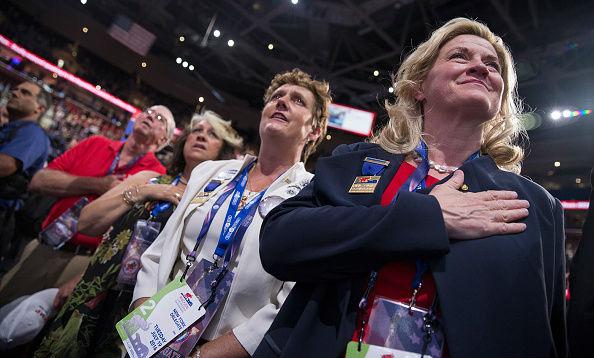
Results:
x,y
154,115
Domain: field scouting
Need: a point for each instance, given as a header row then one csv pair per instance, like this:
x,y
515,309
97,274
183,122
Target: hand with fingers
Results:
x,y
482,214
161,192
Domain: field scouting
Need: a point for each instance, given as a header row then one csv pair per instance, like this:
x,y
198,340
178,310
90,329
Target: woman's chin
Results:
x,y
273,130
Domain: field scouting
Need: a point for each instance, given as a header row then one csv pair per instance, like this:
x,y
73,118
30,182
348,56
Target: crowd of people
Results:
x,y
423,241
28,32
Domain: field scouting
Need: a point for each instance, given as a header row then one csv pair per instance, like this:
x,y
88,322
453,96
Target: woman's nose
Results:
x,y
478,67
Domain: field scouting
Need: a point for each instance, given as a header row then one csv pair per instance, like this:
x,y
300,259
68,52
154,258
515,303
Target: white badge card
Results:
x,y
160,319
200,280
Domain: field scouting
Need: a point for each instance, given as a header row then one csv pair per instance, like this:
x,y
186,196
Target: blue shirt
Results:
x,y
26,142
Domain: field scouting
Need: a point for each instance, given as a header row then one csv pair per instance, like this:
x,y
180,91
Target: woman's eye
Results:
x,y
457,55
494,65
212,135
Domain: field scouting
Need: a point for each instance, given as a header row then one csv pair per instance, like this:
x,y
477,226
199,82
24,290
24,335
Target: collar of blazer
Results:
x,y
290,176
335,175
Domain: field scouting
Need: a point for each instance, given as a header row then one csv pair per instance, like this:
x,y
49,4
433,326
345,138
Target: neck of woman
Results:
x,y
273,160
451,141
187,172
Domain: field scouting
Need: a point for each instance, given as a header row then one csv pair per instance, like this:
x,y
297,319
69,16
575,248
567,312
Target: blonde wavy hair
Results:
x,y
322,96
405,128
222,128
232,142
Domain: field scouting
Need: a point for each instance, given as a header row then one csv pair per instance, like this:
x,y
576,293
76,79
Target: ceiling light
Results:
x,y
60,63
578,180
83,1
555,115
178,60
230,43
328,137
376,73
85,29
391,89
216,33
98,87
182,39
143,64
294,2
54,75
270,47
200,99
185,64
557,164
191,67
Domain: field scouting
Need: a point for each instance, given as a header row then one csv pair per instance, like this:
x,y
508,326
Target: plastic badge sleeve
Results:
x,y
159,320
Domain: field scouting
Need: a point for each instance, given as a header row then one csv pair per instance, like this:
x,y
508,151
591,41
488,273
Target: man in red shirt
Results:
x,y
89,169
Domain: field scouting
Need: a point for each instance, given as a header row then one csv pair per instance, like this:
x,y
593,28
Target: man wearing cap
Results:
x,y
89,169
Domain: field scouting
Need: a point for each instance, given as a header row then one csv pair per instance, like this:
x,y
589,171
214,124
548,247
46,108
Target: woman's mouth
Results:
x,y
279,116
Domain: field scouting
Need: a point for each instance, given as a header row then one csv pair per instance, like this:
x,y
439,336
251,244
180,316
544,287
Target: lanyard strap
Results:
x,y
231,187
239,227
162,206
116,161
416,181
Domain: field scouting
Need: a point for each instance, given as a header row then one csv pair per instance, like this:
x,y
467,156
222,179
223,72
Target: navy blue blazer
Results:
x,y
501,296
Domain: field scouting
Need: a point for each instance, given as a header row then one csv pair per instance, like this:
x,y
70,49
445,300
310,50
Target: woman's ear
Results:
x,y
314,134
419,95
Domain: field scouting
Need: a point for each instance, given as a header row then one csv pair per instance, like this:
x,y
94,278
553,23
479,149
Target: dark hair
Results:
x,y
178,162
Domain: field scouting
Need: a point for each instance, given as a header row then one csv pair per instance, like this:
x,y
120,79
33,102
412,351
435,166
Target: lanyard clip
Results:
x,y
215,263
413,299
191,257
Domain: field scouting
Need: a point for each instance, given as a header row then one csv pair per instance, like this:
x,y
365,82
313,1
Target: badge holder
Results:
x,y
144,234
63,228
160,319
211,285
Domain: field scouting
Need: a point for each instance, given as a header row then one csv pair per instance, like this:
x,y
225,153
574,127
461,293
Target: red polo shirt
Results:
x,y
92,158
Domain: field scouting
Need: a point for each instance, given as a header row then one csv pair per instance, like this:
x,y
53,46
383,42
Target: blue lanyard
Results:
x,y
162,206
116,161
235,226
233,219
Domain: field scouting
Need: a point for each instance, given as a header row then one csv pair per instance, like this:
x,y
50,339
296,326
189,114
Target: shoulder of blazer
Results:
x,y
354,147
335,174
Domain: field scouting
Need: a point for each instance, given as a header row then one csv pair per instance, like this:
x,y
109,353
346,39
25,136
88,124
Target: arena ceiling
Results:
x,y
346,41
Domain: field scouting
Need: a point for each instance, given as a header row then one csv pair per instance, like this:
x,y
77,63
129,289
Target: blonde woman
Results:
x,y
85,324
474,266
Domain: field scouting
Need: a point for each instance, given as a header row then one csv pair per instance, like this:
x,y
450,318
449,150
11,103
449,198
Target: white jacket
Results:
x,y
255,296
